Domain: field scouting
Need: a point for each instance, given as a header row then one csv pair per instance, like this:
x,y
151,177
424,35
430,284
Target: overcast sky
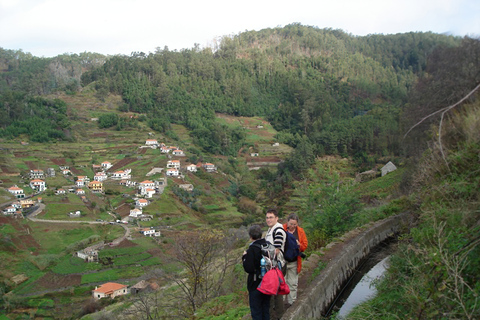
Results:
x,y
52,27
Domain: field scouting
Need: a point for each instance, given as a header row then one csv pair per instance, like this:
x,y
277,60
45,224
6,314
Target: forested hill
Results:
x,y
325,91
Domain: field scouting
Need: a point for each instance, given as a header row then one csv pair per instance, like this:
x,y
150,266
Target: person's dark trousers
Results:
x,y
259,305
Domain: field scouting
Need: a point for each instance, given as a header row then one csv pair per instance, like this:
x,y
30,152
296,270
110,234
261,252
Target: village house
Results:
x,y
17,192
148,192
80,192
209,167
51,172
151,142
192,168
60,191
96,186
37,174
26,203
164,149
89,255
135,213
119,175
96,167
66,171
178,153
17,205
75,214
146,184
80,183
173,164
110,290
141,202
149,232
187,187
9,210
143,286
106,165
100,176
38,185
172,172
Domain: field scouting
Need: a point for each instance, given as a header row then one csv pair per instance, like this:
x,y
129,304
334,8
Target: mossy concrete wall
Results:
x,y
313,302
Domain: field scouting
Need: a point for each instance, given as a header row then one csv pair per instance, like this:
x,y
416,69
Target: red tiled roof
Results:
x,y
110,287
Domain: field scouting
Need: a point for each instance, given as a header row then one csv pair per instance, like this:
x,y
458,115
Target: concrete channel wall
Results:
x,y
321,292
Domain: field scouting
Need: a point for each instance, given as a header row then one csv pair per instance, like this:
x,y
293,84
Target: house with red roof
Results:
x,y
109,290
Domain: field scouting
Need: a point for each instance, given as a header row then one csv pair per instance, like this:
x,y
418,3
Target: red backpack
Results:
x,y
273,283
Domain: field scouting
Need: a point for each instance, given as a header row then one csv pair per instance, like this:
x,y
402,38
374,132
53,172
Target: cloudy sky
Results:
x,y
52,27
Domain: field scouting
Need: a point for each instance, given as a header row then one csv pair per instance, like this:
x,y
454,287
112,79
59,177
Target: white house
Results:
x,y
151,142
146,184
173,164
9,210
80,191
38,185
106,165
141,203
60,191
178,153
125,174
148,192
88,255
109,290
209,167
134,213
100,176
164,149
192,168
16,191
150,232
66,171
80,183
37,174
172,172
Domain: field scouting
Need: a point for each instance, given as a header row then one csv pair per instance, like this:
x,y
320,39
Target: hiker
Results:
x,y
293,268
276,235
259,302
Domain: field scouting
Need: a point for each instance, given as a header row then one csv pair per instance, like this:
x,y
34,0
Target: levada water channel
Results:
x,y
360,286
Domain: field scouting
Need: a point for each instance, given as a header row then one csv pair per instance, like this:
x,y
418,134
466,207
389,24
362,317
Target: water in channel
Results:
x,y
360,287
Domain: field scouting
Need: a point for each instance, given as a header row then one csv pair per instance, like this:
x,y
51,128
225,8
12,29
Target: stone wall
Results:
x,y
315,299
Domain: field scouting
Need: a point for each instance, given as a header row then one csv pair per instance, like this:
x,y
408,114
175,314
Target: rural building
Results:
x,y
38,185
172,172
192,168
175,164
151,142
106,165
96,186
178,153
37,174
187,187
17,192
51,172
209,167
389,167
110,290
141,203
100,176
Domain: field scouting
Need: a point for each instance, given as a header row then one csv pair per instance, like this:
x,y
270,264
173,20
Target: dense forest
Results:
x,y
324,89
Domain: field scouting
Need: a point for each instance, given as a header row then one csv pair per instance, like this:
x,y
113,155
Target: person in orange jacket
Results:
x,y
294,268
